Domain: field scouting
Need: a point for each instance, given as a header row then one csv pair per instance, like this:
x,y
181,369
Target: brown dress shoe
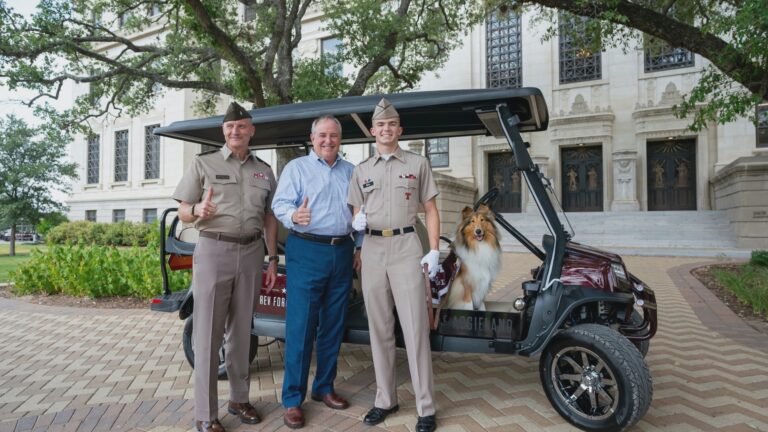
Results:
x,y
332,401
294,418
245,411
209,426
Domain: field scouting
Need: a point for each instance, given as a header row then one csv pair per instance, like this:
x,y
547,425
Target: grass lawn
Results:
x,y
8,264
749,283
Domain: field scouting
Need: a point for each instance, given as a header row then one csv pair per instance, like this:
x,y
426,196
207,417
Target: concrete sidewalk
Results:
x,y
96,369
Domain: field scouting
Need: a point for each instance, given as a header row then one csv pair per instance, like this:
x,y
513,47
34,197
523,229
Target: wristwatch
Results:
x,y
274,258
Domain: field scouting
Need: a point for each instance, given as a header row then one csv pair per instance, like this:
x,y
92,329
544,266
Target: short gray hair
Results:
x,y
323,118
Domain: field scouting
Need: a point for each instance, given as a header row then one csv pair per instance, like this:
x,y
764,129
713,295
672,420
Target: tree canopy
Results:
x,y
33,167
128,51
731,34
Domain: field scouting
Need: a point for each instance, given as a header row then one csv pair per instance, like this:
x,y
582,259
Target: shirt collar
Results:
x,y
226,153
398,154
314,156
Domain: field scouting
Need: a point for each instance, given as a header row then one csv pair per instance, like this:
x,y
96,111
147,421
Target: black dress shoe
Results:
x,y
426,424
377,415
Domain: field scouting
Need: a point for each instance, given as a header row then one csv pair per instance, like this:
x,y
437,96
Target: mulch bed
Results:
x,y
81,302
706,276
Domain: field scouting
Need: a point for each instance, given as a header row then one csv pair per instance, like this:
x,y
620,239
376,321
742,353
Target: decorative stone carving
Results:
x,y
650,92
671,95
416,146
579,106
624,181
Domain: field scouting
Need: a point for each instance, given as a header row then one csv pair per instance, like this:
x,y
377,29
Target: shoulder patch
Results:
x,y
261,160
209,152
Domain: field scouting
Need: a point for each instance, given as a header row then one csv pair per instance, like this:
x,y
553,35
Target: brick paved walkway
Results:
x,y
93,369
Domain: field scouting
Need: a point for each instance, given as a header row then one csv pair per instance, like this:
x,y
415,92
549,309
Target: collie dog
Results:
x,y
477,246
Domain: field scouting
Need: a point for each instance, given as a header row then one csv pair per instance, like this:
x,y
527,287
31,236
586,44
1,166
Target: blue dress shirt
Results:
x,y
325,186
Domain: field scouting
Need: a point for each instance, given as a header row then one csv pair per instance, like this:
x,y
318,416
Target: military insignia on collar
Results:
x,y
407,176
368,183
259,175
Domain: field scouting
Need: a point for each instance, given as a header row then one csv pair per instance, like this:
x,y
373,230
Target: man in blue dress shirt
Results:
x,y
311,201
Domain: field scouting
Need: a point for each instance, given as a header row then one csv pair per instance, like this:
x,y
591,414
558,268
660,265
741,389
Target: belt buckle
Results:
x,y
387,233
336,240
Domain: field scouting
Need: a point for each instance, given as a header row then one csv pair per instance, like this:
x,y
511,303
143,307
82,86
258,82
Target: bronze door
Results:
x,y
503,174
672,175
582,174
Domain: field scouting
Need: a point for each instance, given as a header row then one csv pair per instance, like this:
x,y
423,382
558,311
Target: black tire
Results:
x,y
189,351
595,378
644,345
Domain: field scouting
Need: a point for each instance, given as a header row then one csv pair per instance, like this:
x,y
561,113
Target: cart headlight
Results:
x,y
618,270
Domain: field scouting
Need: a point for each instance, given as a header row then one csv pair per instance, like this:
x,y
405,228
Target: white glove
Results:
x,y
360,221
431,260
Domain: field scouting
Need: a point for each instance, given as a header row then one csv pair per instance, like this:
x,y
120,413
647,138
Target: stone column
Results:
x,y
625,181
543,163
416,146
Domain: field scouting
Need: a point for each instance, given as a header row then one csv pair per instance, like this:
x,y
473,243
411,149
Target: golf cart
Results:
x,y
582,312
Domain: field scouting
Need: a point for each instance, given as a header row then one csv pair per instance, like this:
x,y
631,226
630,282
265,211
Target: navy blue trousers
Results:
x,y
319,278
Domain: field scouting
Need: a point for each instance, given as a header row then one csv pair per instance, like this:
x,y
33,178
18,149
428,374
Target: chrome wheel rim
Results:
x,y
584,383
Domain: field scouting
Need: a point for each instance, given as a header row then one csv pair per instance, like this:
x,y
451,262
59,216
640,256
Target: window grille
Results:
x,y
577,63
118,215
503,58
121,156
94,147
660,55
437,152
149,216
151,153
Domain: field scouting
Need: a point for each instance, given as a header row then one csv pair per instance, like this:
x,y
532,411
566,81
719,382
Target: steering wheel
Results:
x,y
488,199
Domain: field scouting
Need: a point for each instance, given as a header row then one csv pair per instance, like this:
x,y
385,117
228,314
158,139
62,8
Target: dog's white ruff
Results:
x,y
481,264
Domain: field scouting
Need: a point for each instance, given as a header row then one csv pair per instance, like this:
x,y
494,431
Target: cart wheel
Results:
x,y
189,350
595,378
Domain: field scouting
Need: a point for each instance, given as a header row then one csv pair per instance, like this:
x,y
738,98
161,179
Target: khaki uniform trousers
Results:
x,y
392,277
225,279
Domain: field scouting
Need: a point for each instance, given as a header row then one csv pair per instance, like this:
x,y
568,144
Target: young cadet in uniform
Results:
x,y
386,191
311,201
227,193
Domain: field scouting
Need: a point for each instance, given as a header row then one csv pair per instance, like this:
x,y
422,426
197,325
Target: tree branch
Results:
x,y
231,50
725,57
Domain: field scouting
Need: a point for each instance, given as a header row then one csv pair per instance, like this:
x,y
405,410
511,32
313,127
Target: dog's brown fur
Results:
x,y
477,246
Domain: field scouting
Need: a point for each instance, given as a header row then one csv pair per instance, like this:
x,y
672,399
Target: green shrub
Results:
x,y
83,270
759,258
91,233
50,221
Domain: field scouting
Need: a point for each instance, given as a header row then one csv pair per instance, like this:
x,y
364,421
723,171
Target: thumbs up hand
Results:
x,y
206,208
302,215
360,221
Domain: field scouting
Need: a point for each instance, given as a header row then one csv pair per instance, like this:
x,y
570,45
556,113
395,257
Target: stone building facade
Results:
x,y
613,142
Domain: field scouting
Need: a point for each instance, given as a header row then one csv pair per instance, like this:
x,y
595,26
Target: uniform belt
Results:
x,y
331,240
230,238
390,232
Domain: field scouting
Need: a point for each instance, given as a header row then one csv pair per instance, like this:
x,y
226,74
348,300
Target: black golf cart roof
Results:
x,y
446,113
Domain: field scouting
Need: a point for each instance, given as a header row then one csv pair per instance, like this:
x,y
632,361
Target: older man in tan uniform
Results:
x,y
386,191
227,193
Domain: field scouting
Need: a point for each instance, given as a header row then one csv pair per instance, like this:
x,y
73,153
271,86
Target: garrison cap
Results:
x,y
384,110
236,112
